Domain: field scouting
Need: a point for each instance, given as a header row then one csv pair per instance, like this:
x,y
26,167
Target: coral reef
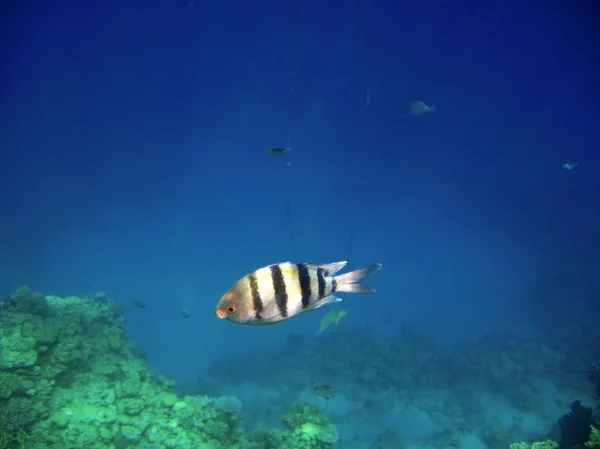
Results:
x,y
592,443
548,444
578,430
499,388
69,377
306,427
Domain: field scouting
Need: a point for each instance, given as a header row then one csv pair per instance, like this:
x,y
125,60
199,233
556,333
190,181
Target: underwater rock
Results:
x,y
576,426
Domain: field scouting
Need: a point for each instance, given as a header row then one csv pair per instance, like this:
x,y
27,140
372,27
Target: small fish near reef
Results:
x,y
324,391
417,108
277,292
139,304
184,313
332,318
279,151
571,165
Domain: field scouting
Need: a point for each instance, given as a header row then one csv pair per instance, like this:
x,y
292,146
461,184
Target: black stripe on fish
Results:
x,y
281,297
257,303
304,280
321,273
333,285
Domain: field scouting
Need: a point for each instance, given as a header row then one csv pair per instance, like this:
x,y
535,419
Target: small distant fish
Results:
x,y
139,304
324,391
332,318
184,313
570,165
417,108
279,151
277,292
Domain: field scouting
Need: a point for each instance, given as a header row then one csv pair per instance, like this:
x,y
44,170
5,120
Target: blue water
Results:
x,y
133,148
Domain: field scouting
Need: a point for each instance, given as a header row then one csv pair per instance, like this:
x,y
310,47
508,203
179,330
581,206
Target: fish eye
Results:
x,y
230,309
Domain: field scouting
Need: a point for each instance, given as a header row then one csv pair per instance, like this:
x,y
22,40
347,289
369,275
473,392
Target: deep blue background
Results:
x,y
133,140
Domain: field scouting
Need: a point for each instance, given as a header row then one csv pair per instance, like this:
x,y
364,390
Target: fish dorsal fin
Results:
x,y
333,267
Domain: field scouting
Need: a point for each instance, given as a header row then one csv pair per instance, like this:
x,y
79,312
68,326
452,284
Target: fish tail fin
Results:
x,y
348,282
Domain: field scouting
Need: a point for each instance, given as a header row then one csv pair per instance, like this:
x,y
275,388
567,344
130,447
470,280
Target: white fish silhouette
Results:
x,y
417,108
570,165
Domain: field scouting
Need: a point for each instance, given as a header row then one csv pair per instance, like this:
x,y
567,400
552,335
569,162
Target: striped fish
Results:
x,y
277,292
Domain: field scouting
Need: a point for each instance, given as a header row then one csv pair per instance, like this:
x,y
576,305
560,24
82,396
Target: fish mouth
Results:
x,y
220,313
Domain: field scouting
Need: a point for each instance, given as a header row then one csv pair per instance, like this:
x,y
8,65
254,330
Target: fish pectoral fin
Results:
x,y
331,299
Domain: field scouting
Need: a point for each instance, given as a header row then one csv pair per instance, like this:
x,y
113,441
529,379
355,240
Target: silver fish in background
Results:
x,y
279,151
278,292
417,108
571,165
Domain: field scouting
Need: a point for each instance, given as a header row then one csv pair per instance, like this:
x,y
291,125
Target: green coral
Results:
x,y
17,350
60,419
305,427
70,378
308,427
594,441
9,384
18,413
316,434
548,444
26,301
302,413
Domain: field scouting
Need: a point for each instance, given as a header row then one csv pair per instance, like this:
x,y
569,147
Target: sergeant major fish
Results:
x,y
277,292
